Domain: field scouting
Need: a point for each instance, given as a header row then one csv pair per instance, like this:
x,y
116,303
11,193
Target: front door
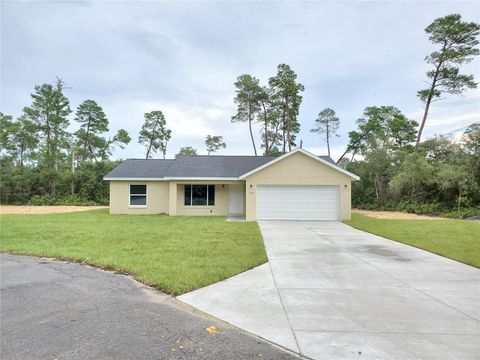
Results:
x,y
235,199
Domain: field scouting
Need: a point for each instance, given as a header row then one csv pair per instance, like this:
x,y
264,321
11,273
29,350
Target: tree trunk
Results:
x,y
87,142
149,148
427,106
265,121
459,198
164,150
328,138
328,145
284,124
251,133
55,164
48,133
72,184
289,126
21,156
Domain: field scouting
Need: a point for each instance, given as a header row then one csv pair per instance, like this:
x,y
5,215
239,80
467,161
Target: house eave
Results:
x,y
172,179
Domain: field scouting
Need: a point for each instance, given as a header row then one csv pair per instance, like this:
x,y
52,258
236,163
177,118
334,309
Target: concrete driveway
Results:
x,y
333,292
57,310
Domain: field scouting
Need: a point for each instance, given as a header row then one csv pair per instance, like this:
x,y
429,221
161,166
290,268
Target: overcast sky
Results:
x,y
183,57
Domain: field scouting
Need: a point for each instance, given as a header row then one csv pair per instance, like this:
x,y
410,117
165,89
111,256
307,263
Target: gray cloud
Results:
x,y
183,57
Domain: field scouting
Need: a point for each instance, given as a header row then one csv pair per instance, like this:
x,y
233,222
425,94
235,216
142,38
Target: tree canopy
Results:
x,y
154,134
456,41
214,143
326,125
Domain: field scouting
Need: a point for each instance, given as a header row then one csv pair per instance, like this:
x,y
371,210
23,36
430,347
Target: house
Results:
x,y
295,186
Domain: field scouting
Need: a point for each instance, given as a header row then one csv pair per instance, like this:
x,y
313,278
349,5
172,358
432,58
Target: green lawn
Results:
x,y
174,254
455,239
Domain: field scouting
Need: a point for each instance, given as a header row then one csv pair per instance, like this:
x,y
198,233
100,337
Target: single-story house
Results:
x,y
295,186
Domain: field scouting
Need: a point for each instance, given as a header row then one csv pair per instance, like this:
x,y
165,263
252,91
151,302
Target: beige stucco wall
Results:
x,y
168,197
157,197
220,208
298,169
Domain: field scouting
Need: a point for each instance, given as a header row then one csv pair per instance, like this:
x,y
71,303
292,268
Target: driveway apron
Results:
x,y
330,291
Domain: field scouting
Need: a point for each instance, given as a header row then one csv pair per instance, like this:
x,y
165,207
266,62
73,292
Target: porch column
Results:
x,y
172,198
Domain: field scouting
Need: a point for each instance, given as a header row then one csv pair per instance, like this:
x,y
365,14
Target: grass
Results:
x,y
455,239
173,254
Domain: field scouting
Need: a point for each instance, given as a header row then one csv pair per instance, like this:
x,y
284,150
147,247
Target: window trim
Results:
x,y
191,196
130,194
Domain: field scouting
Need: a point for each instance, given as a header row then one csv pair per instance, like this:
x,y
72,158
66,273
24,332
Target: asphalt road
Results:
x,y
57,310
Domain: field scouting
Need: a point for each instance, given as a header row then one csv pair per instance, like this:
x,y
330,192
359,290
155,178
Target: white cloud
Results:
x,y
183,58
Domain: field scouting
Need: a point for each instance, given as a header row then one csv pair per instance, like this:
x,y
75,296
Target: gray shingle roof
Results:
x,y
140,168
215,166
328,158
188,166
199,166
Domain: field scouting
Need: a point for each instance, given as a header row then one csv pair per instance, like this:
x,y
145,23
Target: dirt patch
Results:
x,y
395,215
12,209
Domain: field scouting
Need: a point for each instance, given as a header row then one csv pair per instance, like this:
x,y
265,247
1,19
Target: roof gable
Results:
x,y
330,163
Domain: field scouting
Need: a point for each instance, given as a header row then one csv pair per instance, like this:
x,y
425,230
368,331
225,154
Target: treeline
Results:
x,y
440,176
43,163
434,176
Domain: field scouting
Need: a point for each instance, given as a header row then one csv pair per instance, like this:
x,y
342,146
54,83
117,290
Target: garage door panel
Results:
x,y
276,202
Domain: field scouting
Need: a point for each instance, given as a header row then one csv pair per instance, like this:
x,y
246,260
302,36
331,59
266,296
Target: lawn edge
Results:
x,y
120,272
401,242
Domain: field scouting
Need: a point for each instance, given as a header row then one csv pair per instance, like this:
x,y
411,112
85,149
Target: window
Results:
x,y
138,195
199,195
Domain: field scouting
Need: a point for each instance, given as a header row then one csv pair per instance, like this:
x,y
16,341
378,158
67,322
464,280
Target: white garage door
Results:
x,y
275,202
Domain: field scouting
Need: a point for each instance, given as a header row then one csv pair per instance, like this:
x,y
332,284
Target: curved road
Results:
x,y
57,310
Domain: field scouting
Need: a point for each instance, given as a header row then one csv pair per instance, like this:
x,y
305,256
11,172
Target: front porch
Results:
x,y
207,197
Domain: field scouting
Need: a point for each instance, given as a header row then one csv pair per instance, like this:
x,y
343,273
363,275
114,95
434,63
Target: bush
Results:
x,y
473,212
72,200
432,209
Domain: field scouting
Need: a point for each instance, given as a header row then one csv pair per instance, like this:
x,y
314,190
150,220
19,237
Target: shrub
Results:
x,y
73,200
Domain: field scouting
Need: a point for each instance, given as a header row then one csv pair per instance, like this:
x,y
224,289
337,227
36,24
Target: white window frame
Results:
x,y
130,196
191,195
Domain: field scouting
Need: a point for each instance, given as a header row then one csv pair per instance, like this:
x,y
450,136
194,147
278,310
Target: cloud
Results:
x,y
183,58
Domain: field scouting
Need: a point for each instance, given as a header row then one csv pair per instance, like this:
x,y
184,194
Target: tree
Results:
x,y
248,94
457,41
93,123
91,143
17,138
471,145
214,143
453,178
49,112
439,149
6,123
414,178
383,139
381,126
269,118
471,139
286,93
187,150
327,124
154,134
23,139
